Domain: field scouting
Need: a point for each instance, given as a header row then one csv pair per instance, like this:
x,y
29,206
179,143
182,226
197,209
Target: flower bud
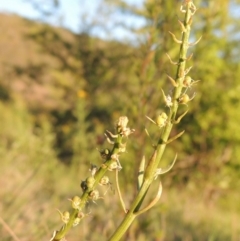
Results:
x,y
65,216
162,119
187,81
81,215
113,166
122,122
76,202
94,195
90,182
184,99
104,180
76,222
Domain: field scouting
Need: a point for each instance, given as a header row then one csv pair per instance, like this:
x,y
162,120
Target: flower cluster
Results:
x,y
122,128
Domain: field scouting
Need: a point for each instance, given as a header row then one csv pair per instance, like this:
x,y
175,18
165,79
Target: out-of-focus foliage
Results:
x,y
59,92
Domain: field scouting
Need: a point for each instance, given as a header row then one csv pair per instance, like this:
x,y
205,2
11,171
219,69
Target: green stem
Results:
x,y
157,156
85,196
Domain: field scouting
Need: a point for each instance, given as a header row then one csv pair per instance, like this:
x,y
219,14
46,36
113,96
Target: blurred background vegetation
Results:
x,y
60,91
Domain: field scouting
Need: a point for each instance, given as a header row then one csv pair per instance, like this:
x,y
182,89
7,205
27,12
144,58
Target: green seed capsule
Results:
x,y
76,222
90,182
94,195
187,81
76,202
184,99
65,217
162,119
104,180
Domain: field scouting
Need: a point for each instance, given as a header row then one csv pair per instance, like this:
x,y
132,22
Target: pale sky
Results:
x,y
69,9
68,15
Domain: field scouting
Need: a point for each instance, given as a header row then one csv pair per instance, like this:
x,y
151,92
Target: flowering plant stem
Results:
x,y
164,123
89,186
152,168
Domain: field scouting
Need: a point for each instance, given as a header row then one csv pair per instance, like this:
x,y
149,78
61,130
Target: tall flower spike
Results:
x,y
172,101
151,170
